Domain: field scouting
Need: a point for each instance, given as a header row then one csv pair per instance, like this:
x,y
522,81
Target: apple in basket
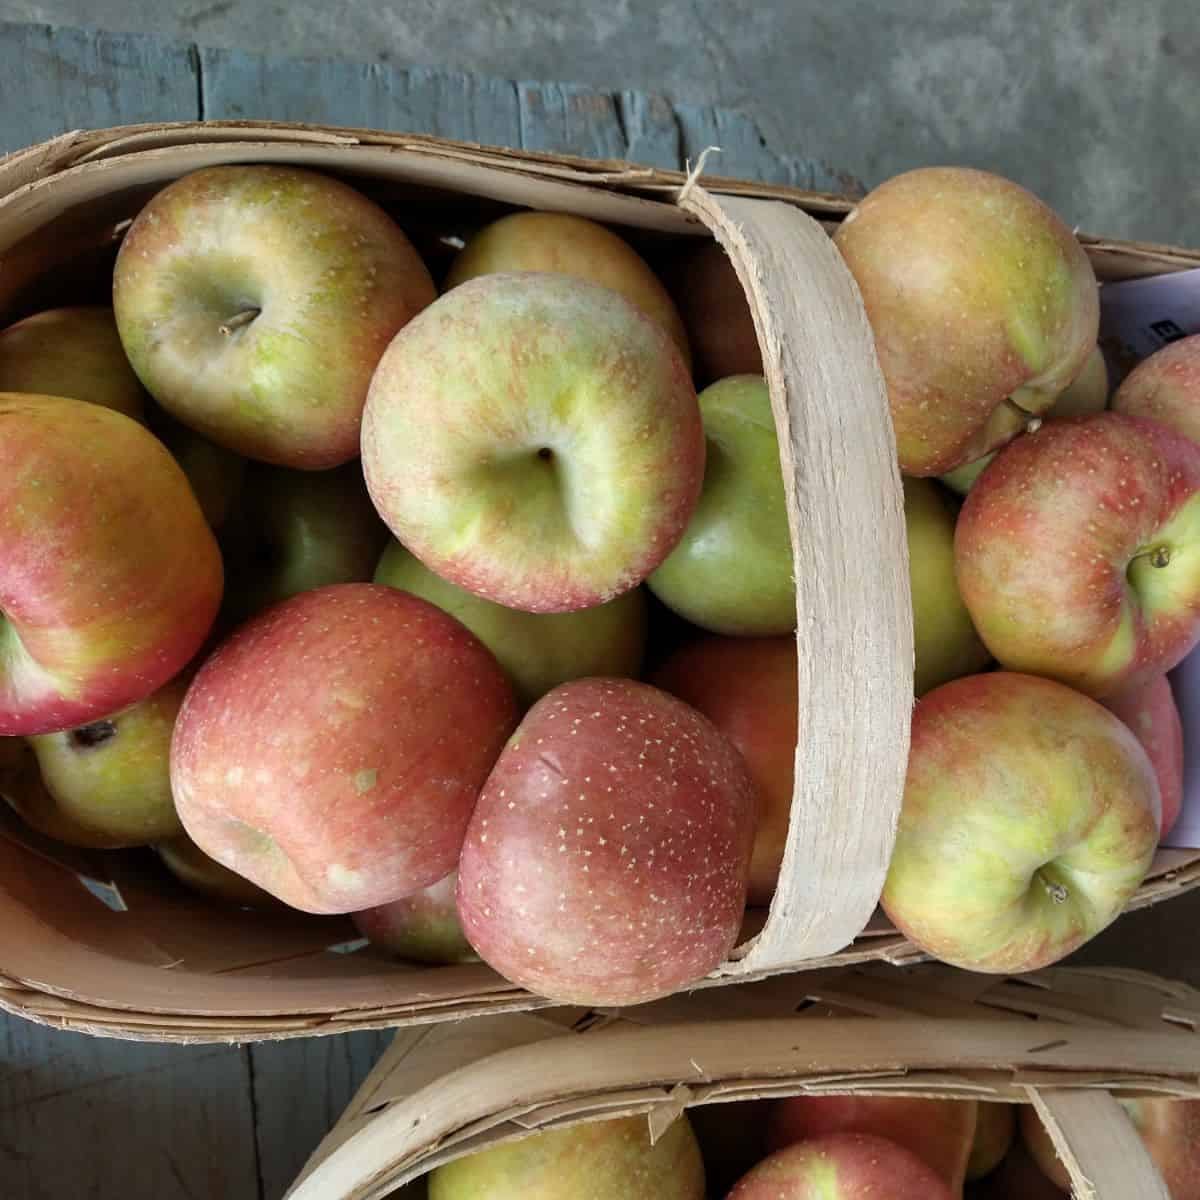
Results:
x,y
109,575
1165,387
421,927
1030,817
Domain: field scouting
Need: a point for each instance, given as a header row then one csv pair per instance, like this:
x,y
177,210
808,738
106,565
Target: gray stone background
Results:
x,y
1093,104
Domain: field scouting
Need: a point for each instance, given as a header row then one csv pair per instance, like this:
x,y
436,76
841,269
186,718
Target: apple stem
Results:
x,y
1159,556
236,322
1032,421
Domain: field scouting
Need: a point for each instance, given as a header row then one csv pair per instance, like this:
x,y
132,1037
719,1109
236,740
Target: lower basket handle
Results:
x,y
854,632
1099,1146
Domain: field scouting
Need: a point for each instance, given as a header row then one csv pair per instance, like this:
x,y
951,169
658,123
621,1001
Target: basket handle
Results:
x,y
854,635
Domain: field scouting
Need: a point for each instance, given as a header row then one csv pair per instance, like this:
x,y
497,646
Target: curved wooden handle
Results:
x,y
854,634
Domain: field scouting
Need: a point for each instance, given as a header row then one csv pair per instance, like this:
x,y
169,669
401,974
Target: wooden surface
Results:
x,y
84,1118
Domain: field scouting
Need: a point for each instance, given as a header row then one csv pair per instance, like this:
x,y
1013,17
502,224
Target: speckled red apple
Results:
x,y
606,861
332,749
983,306
423,927
1165,387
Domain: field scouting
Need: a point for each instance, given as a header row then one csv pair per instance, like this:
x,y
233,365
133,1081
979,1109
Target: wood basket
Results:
x,y
106,945
1063,1039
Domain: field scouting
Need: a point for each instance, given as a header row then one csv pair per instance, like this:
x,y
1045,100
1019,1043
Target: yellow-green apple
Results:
x,y
1018,1177
1030,817
298,530
216,474
194,869
254,303
538,650
607,859
842,1166
597,1160
109,575
1169,1128
732,570
111,779
747,687
568,245
423,927
332,748
995,1127
1078,552
567,454
946,643
71,352
939,1132
983,306
1166,387
715,312
1086,395
1150,711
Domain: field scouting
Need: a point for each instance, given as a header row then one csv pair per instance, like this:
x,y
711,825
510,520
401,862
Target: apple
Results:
x,y
332,748
607,859
254,303
567,454
298,530
1030,817
842,1166
1150,711
423,927
1086,395
946,643
109,576
71,352
732,570
112,777
194,869
216,474
939,1132
1165,387
568,245
994,1130
983,305
747,687
537,650
610,1158
1017,1177
715,312
1074,552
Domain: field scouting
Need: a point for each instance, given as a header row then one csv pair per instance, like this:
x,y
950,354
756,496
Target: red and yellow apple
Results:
x,y
567,453
537,650
254,303
109,575
422,927
1030,817
983,305
565,244
1165,387
607,858
1078,552
331,749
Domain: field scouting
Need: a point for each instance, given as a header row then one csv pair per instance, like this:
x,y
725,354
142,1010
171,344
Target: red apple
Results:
x,y
1150,711
1166,388
567,454
939,1132
983,305
109,575
332,749
842,1166
423,927
747,687
1075,550
606,861
1030,817
254,303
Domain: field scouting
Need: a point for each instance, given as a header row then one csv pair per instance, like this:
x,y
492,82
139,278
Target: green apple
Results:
x,y
947,645
194,869
732,570
216,474
538,650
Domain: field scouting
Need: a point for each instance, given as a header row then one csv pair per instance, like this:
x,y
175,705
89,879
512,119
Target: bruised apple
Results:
x,y
606,861
422,927
331,749
983,305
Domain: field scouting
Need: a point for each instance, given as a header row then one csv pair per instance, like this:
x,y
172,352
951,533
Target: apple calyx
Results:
x,y
1058,891
93,734
238,320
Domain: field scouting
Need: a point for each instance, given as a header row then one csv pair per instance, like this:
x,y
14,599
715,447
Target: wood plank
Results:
x,y
567,118
300,1088
61,79
88,1117
652,134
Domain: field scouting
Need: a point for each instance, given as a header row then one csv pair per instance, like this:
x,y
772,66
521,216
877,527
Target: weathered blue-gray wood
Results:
x,y
652,134
565,118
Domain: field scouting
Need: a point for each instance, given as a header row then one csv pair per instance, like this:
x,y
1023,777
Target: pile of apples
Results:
x,y
458,609
815,1148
